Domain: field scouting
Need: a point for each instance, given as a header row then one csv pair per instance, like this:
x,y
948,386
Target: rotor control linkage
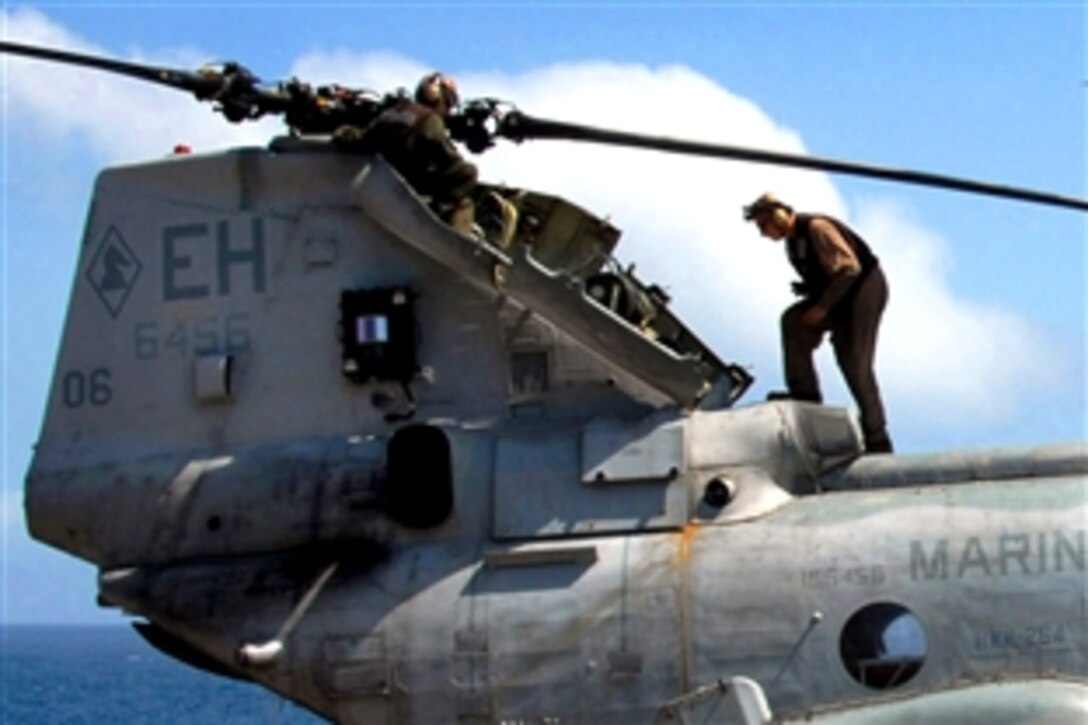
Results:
x,y
236,92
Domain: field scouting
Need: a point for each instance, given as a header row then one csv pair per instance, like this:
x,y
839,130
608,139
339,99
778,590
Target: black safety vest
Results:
x,y
804,260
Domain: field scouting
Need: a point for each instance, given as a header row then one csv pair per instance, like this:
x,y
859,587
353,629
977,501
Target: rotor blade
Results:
x,y
518,126
199,84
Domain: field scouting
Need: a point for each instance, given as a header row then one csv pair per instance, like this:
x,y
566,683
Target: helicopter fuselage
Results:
x,y
320,440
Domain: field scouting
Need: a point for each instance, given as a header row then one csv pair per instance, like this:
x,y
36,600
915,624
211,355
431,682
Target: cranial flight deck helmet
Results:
x,y
436,87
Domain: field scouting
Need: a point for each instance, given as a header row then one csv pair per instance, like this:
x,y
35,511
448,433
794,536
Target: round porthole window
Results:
x,y
883,645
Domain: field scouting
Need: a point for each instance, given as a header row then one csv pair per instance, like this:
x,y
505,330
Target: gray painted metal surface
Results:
x,y
622,544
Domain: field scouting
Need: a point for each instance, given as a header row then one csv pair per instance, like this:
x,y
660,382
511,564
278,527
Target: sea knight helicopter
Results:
x,y
314,438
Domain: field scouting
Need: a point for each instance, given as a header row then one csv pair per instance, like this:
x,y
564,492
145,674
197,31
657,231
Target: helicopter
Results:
x,y
316,439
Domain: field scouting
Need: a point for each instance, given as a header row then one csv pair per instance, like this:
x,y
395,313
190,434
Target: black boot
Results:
x,y
878,443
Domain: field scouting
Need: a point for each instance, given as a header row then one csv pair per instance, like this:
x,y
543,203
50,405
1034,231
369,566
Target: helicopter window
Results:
x,y
378,331
419,476
883,645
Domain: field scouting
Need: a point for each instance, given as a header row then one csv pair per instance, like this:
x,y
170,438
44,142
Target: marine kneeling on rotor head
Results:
x,y
843,291
412,135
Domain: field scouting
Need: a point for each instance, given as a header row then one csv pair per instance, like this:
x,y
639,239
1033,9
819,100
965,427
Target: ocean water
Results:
x,y
71,675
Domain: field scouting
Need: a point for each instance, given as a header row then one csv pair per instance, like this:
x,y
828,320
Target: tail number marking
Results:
x,y
228,334
80,388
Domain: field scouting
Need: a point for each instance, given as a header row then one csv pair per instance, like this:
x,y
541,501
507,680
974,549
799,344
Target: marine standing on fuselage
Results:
x,y
843,292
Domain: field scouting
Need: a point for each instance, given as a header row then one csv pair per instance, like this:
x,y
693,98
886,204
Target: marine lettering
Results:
x,y
175,263
1010,554
253,256
935,567
974,557
192,266
1074,549
1014,547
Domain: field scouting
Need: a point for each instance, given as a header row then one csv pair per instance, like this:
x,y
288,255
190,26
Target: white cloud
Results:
x,y
379,72
947,359
941,356
118,119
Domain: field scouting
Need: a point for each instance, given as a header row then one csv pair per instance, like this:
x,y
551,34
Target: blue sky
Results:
x,y
984,340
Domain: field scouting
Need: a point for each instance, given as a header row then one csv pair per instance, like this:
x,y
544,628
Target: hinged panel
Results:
x,y
539,492
619,451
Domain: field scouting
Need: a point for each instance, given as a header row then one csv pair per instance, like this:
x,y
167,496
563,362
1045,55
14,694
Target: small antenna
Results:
x,y
814,620
265,654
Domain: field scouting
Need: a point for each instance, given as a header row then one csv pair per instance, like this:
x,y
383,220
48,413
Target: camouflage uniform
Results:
x,y
414,140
